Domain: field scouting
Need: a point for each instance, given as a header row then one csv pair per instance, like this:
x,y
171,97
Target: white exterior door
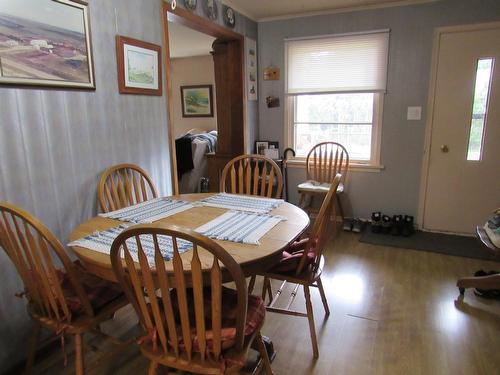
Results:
x,y
462,184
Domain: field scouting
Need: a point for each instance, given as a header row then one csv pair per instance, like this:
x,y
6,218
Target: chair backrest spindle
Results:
x,y
33,249
165,301
319,233
325,160
252,175
124,185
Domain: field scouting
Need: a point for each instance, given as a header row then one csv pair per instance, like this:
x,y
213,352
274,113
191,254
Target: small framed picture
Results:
x,y
274,144
139,67
197,101
260,146
272,101
251,68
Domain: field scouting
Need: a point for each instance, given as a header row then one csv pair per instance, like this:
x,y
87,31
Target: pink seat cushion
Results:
x,y
255,315
99,291
291,257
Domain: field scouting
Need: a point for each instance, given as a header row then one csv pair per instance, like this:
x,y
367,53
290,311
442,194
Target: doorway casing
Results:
x,y
229,86
438,32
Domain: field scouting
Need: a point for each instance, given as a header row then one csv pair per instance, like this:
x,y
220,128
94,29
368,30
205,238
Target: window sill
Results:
x,y
354,167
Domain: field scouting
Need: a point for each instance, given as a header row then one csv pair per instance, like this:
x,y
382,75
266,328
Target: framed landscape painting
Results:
x,y
45,43
139,67
197,101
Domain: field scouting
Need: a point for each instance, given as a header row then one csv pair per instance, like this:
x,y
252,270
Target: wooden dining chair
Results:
x,y
65,300
124,185
252,175
302,264
188,326
323,162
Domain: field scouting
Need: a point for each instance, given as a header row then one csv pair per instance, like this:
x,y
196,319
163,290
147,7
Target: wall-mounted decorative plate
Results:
x,y
190,4
229,16
210,8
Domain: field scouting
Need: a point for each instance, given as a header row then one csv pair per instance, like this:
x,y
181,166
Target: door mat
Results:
x,y
448,244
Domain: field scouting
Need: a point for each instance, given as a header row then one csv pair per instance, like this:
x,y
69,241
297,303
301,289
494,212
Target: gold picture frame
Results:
x,y
46,43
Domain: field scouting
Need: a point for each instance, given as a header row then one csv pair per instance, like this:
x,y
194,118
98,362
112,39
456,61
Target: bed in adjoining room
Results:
x,y
191,151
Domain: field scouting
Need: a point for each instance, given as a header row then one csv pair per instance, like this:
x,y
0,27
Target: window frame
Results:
x,y
372,165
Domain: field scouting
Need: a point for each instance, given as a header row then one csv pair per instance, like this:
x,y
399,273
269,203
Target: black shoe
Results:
x,y
348,223
408,226
358,225
386,224
487,293
376,225
397,225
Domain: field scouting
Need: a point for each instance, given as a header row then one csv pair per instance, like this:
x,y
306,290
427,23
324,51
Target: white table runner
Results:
x,y
149,211
238,226
242,202
102,241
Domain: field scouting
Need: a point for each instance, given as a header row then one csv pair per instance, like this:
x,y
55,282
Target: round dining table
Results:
x,y
252,258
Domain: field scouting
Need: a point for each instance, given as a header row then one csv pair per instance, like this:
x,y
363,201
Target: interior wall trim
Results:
x,y
345,10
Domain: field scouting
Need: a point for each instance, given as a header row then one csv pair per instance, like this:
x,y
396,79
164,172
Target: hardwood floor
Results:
x,y
393,311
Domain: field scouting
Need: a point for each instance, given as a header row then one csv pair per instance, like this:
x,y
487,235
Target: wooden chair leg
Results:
x,y
310,317
33,344
264,288
78,354
269,290
263,354
323,296
301,200
251,284
480,282
153,368
339,204
309,208
333,218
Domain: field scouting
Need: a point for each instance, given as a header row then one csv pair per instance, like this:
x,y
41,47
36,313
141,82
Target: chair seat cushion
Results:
x,y
292,255
317,187
99,291
255,315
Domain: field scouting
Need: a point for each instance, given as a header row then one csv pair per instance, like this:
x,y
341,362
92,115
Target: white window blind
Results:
x,y
334,64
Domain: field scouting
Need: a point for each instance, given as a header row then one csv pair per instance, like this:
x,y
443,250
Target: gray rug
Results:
x,y
448,244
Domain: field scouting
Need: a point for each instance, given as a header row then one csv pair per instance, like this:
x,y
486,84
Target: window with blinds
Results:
x,y
347,63
335,87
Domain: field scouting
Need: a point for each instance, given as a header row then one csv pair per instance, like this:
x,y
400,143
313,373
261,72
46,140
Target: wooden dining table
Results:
x,y
252,258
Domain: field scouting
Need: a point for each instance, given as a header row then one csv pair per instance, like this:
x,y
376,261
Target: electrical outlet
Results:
x,y
414,113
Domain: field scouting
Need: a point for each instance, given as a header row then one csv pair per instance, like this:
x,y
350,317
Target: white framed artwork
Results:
x,y
251,68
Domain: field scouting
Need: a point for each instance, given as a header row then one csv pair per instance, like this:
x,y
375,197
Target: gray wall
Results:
x,y
55,143
395,189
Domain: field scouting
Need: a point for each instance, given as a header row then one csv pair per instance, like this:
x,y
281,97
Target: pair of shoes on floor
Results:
x,y
355,225
487,293
398,225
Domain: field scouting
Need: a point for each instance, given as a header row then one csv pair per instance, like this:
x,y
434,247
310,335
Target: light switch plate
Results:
x,y
414,113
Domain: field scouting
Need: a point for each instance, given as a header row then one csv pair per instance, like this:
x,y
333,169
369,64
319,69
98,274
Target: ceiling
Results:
x,y
262,10
186,42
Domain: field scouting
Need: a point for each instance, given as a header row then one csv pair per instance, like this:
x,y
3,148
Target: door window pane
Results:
x,y
479,108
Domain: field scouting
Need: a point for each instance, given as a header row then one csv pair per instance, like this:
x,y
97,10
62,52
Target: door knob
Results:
x,y
444,148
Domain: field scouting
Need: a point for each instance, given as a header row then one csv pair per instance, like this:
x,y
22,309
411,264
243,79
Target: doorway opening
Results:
x,y
208,101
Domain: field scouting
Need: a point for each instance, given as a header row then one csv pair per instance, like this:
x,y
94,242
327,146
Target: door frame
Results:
x,y
430,107
203,25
